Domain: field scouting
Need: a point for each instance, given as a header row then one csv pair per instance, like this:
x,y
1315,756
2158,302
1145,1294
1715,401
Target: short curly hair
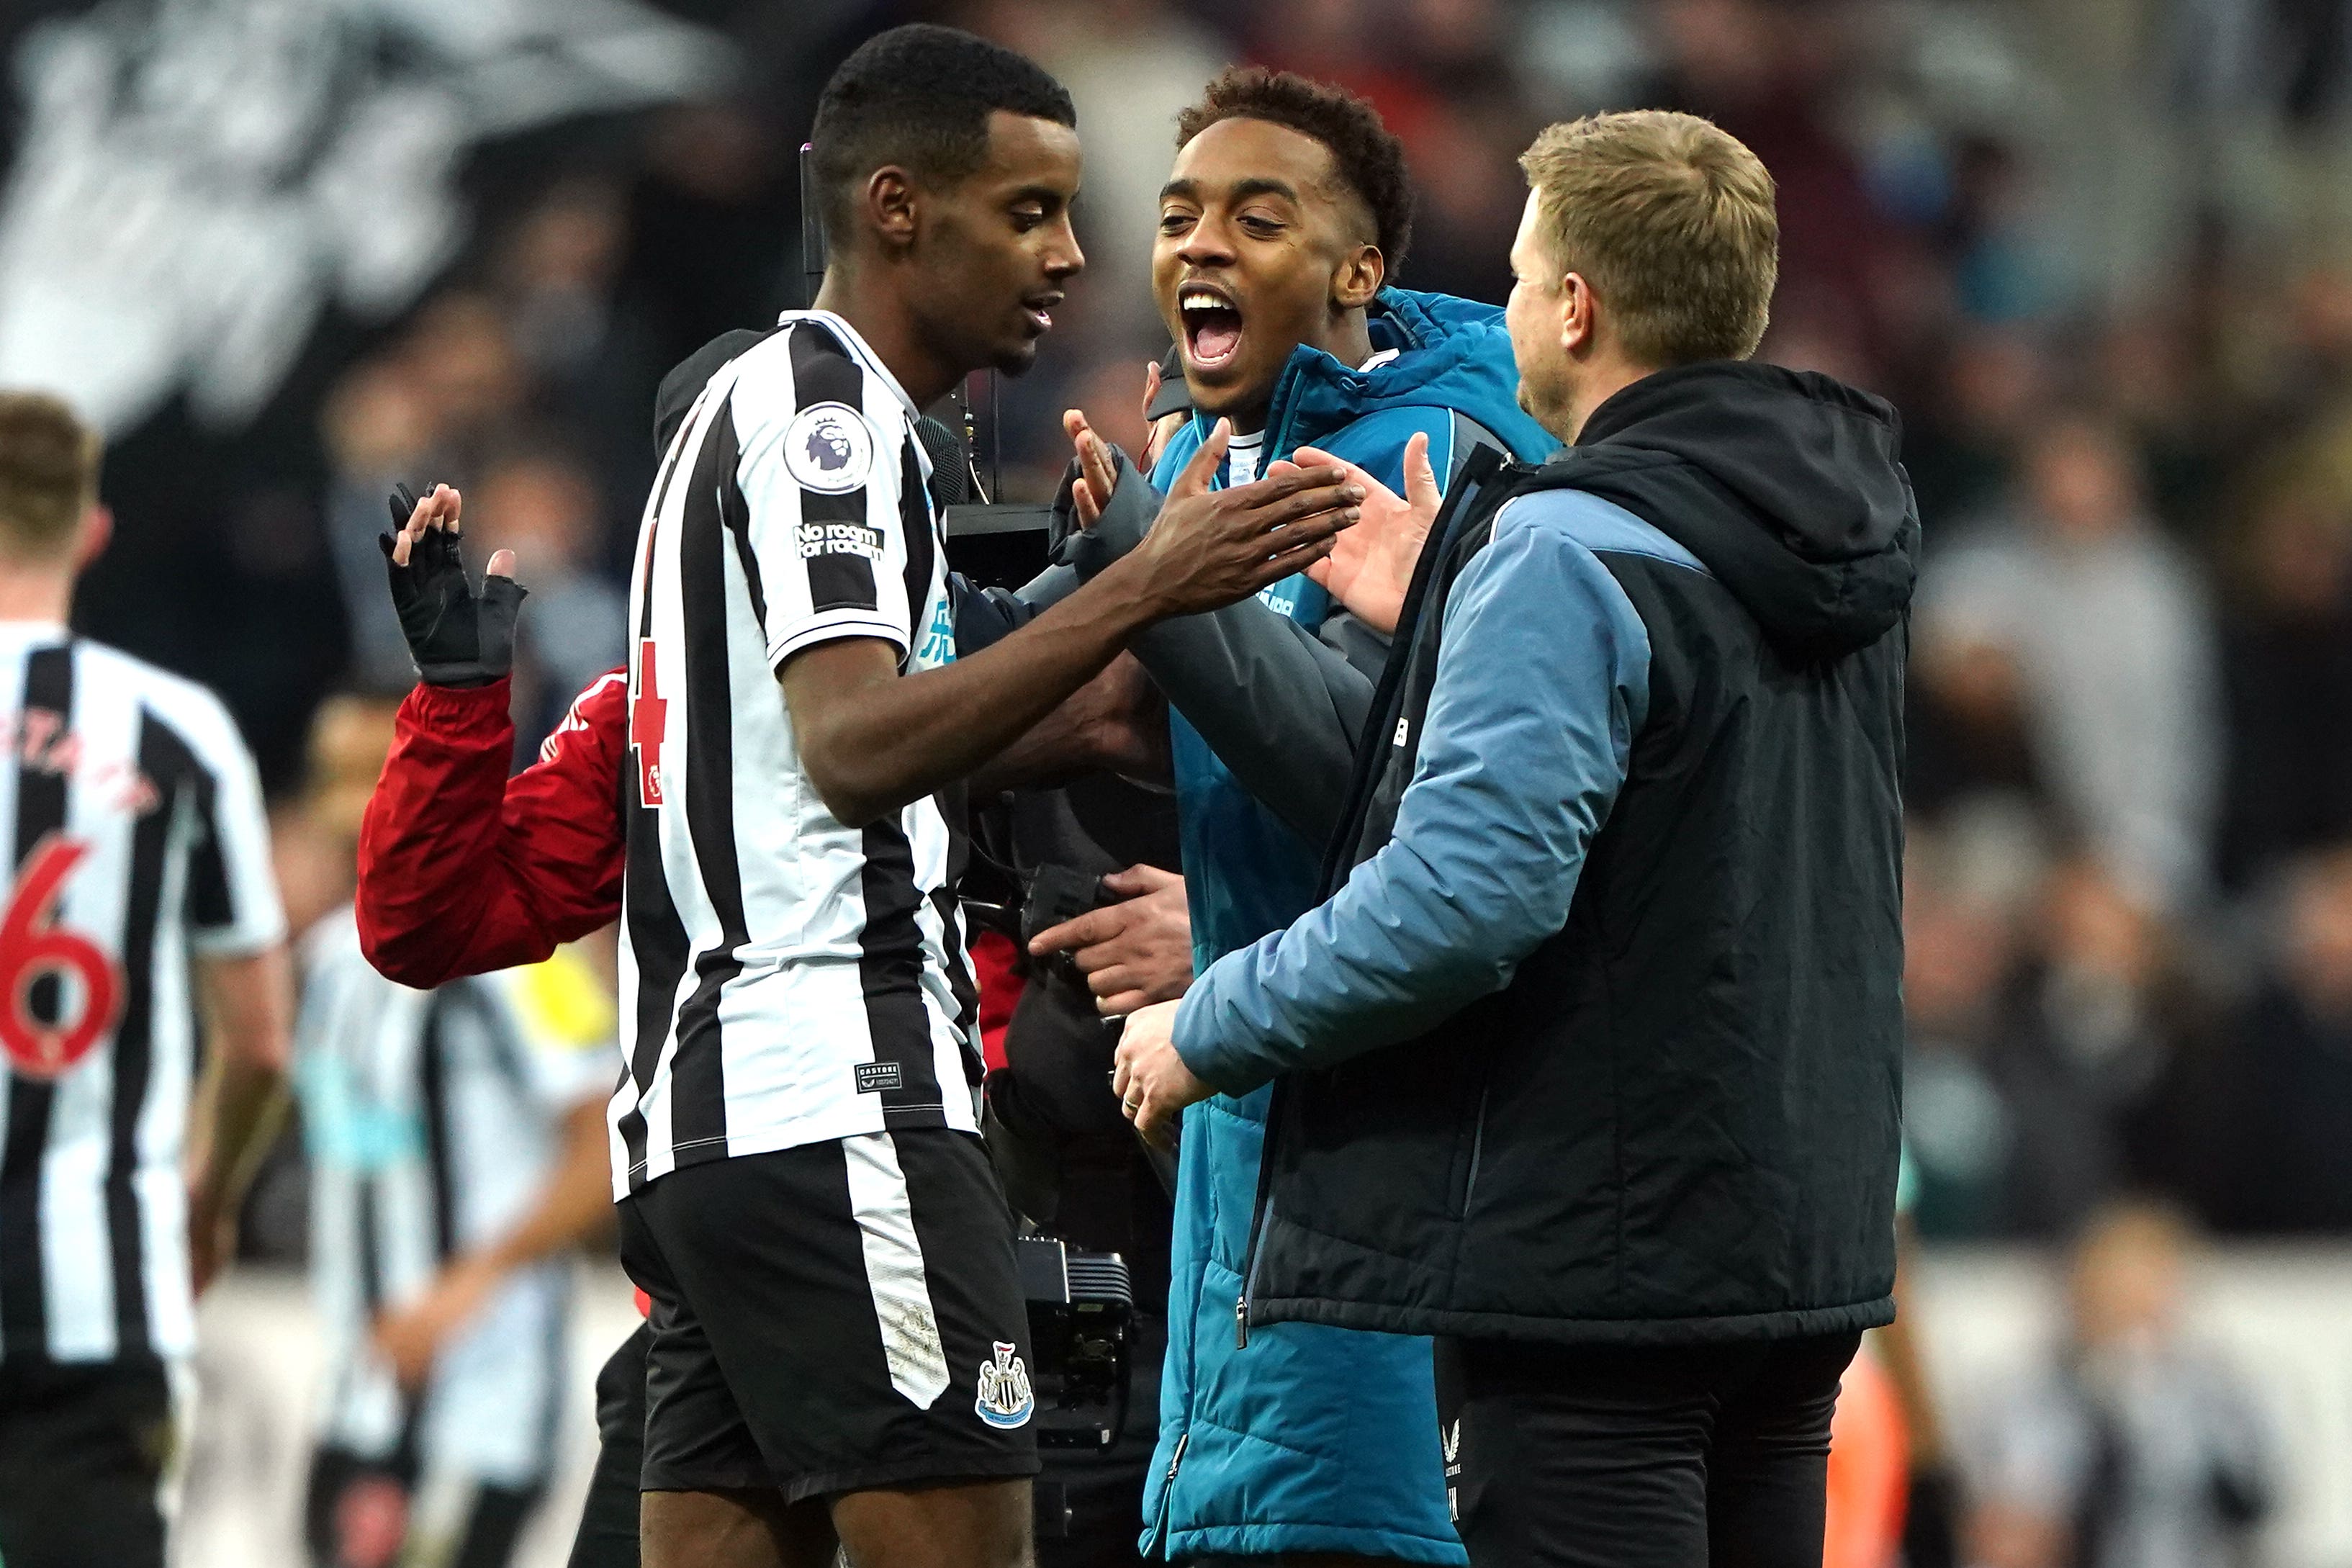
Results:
x,y
1369,158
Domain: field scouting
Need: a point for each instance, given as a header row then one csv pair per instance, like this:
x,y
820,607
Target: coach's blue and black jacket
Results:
x,y
1311,1438
1597,1035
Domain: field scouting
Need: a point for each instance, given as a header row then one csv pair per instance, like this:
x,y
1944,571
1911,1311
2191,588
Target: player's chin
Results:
x,y
1014,357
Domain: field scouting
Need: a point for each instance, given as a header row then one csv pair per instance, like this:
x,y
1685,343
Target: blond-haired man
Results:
x,y
1589,1062
140,883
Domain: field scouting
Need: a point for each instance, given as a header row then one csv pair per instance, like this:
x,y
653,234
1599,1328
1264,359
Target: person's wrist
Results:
x,y
1140,594
1195,1046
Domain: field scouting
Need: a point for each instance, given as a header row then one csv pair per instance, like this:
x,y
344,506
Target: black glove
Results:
x,y
457,637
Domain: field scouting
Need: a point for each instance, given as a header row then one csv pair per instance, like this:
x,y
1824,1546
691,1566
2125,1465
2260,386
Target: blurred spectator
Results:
x,y
540,504
2148,372
2055,1039
1963,437
2106,623
1777,74
379,432
2134,1447
2286,658
423,412
1958,940
2280,1108
1465,162
467,368
1968,728
592,365
2095,1024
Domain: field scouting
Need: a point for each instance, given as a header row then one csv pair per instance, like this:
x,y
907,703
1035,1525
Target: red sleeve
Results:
x,y
464,871
997,966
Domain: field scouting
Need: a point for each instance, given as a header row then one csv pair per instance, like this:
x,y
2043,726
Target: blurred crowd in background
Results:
x,y
2100,255
2098,252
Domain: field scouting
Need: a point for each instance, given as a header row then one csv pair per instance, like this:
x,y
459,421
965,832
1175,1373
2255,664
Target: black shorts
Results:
x,y
83,1454
833,1318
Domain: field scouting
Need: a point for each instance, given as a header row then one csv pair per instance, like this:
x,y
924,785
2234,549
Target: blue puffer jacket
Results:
x,y
1309,1439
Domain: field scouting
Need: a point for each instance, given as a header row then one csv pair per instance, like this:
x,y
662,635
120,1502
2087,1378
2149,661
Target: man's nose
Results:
x,y
1066,259
1206,246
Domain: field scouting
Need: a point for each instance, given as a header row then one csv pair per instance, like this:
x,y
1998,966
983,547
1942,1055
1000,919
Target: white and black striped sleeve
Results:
x,y
232,903
820,470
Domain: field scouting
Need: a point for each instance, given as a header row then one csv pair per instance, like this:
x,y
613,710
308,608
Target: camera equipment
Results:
x,y
1081,1312
1058,893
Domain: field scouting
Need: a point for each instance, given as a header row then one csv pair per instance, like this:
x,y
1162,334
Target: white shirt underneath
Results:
x,y
1242,454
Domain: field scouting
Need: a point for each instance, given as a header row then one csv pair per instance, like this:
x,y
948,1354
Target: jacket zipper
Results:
x,y
1461,500
1275,1103
1156,1548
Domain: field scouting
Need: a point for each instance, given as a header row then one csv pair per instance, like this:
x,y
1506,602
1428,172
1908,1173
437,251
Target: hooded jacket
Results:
x,y
1441,366
1597,1035
1312,1440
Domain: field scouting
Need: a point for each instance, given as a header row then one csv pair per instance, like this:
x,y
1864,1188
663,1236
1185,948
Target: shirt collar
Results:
x,y
861,348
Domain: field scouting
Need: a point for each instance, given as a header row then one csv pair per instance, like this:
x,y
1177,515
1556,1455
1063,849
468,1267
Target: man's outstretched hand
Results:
x,y
458,637
1370,565
1210,548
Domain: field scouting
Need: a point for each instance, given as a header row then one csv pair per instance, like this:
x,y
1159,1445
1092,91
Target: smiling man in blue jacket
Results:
x,y
1287,207
1590,1059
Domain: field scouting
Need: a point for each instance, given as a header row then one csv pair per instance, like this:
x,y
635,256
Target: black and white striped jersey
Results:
x,y
137,838
432,1122
784,979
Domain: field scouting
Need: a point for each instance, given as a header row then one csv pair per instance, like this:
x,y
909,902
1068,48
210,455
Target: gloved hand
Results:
x,y
458,637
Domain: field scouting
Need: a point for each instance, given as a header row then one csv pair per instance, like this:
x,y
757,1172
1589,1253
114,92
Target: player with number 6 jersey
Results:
x,y
140,886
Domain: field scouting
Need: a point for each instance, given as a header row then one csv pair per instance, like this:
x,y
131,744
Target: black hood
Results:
x,y
685,382
1785,483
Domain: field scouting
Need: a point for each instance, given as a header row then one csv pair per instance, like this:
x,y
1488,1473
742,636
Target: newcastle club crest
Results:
x,y
1004,1397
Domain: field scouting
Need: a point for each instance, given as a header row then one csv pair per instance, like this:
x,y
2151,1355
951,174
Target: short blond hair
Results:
x,y
1670,220
48,473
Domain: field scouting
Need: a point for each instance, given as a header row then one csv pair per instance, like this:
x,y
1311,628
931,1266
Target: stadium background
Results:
x,y
2098,251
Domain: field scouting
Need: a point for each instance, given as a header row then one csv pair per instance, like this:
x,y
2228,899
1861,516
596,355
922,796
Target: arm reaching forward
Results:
x,y
873,739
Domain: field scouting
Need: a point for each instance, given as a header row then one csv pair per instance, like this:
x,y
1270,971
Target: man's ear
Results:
x,y
90,540
1578,326
890,204
1358,281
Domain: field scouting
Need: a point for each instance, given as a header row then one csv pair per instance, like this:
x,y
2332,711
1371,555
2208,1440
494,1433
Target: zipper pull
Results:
x,y
1241,1322
1177,1458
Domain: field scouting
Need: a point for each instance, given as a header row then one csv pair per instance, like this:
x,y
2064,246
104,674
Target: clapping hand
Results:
x,y
1371,566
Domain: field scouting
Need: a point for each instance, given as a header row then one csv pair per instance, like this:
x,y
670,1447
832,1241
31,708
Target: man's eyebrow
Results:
x,y
1262,186
1046,195
1183,190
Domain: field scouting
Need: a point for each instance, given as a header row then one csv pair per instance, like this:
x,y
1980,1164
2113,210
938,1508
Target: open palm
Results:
x,y
1370,565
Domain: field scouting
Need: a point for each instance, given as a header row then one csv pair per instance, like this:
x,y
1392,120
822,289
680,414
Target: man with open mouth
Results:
x,y
1287,209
